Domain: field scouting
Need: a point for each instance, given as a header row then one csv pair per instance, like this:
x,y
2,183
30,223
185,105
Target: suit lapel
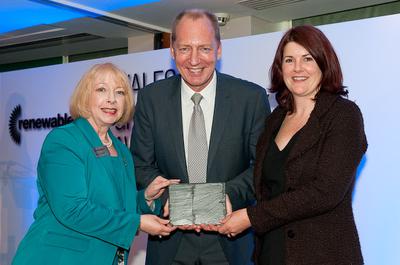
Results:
x,y
94,141
308,136
174,116
222,109
311,132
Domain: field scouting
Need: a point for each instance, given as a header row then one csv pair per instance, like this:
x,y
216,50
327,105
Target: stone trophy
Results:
x,y
199,203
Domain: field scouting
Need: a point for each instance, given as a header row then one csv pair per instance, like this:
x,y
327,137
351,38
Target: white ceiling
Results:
x,y
112,29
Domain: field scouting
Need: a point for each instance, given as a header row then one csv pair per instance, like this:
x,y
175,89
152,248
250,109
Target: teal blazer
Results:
x,y
86,207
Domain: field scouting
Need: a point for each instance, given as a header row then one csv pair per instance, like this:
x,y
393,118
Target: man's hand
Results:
x,y
157,187
181,227
215,227
228,205
166,209
194,227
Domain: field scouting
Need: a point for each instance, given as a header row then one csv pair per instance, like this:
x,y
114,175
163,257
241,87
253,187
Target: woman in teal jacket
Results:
x,y
89,209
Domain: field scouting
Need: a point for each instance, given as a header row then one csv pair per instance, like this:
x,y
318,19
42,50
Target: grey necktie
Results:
x,y
197,144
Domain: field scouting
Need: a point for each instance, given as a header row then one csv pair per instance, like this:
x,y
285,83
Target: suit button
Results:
x,y
290,233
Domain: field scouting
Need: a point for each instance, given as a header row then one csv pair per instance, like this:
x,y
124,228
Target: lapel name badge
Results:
x,y
101,151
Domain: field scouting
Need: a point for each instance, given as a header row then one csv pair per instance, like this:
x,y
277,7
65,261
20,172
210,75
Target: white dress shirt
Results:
x,y
207,105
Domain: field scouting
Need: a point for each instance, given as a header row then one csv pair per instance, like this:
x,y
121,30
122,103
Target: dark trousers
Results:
x,y
200,249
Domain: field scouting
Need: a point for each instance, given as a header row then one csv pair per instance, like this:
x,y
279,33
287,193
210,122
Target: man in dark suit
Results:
x,y
232,114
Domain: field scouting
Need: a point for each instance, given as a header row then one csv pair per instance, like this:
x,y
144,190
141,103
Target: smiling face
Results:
x,y
106,101
301,73
195,51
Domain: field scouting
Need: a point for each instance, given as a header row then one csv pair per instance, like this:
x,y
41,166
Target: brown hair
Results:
x,y
196,14
318,45
80,98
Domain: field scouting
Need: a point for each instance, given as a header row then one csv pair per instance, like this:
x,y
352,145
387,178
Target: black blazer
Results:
x,y
315,211
158,149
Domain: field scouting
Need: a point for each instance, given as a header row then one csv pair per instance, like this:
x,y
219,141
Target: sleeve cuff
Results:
x,y
144,208
252,214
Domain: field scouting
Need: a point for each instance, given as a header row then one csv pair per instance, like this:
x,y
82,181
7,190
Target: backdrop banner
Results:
x,y
35,100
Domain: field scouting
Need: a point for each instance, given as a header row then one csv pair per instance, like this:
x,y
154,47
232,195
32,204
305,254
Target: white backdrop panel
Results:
x,y
368,51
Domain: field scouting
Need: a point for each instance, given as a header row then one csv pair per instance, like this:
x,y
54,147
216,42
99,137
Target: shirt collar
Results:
x,y
208,92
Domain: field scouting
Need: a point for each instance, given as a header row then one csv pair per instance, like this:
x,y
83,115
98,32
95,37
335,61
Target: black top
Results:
x,y
273,173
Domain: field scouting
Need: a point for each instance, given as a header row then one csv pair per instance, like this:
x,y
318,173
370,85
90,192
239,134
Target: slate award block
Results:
x,y
200,203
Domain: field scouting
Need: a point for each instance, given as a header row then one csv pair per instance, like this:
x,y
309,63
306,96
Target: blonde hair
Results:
x,y
79,103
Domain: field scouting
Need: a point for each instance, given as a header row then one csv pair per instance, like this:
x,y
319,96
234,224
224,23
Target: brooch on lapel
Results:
x,y
101,151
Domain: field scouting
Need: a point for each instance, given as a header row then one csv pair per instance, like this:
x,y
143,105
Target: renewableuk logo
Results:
x,y
16,124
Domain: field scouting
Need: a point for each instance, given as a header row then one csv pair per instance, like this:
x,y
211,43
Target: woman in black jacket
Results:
x,y
307,159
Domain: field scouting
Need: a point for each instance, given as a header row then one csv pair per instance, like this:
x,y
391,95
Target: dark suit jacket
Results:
x,y
158,148
315,211
82,216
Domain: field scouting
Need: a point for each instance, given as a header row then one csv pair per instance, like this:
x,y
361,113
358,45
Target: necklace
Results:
x,y
109,143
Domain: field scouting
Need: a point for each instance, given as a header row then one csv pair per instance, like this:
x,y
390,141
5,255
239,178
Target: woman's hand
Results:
x,y
157,187
154,225
235,223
